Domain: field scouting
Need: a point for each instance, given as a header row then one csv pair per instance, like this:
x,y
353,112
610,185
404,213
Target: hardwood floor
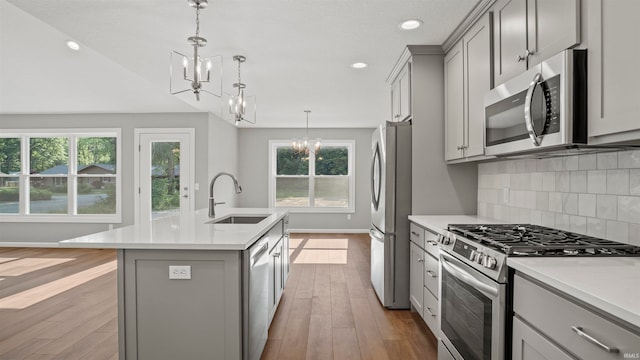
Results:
x,y
61,304
330,311
58,304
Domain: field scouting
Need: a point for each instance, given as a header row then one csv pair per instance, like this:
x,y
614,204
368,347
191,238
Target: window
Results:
x,y
314,182
66,175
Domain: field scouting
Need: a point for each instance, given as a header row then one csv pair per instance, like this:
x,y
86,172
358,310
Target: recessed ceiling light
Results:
x,y
411,24
359,65
73,45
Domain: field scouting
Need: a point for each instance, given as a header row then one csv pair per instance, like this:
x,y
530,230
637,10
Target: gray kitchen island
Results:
x,y
191,287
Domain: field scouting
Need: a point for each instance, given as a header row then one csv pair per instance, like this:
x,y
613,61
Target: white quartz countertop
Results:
x,y
610,284
438,223
190,232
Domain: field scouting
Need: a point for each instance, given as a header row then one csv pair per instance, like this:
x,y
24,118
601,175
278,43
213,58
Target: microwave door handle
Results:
x,y
528,120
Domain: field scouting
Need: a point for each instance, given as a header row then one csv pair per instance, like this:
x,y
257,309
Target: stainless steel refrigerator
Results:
x,y
390,207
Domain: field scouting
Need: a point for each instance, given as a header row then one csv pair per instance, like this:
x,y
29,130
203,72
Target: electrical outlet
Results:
x,y
505,195
180,272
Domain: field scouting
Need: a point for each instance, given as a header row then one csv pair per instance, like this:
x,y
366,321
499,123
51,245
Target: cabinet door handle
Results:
x,y
420,260
431,242
431,274
428,309
526,55
276,255
415,234
578,330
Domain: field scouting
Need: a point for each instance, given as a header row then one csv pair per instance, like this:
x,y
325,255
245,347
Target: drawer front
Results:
x,y
431,243
416,234
431,274
572,326
275,233
430,314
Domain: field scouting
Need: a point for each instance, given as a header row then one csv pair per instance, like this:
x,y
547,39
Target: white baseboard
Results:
x,y
29,244
331,231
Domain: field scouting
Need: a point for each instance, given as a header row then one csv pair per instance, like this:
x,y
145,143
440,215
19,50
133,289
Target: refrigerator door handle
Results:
x,y
375,234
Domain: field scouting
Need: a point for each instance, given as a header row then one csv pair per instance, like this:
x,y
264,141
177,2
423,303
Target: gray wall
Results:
x,y
438,188
594,194
253,160
223,156
45,232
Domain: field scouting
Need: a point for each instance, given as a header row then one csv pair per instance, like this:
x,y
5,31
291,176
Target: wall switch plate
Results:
x,y
505,195
179,272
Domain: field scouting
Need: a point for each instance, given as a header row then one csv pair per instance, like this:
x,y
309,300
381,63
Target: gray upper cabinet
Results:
x,y
467,79
527,32
614,109
401,95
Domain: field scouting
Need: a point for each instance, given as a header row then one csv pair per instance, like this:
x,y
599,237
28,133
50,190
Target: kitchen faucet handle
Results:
x,y
219,203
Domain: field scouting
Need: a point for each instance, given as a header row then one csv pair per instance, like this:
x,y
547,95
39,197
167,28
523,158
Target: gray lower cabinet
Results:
x,y
425,276
276,279
416,275
551,325
197,318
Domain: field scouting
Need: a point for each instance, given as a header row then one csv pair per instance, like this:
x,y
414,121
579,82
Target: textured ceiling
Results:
x,y
298,54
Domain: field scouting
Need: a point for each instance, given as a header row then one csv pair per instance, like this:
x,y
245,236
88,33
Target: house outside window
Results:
x,y
322,181
65,175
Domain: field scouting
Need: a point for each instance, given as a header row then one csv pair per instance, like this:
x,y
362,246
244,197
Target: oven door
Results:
x,y
472,312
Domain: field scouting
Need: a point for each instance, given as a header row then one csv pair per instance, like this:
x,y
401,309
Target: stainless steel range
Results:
x,y
474,287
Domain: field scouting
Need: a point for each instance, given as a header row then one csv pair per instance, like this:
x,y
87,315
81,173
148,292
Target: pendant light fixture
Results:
x,y
305,145
196,70
241,106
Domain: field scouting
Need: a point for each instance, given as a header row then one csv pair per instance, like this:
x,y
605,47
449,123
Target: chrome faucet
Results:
x,y
212,202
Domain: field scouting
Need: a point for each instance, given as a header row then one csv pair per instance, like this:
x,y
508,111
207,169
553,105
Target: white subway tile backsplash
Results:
x,y
555,202
578,224
571,163
578,181
587,162
597,227
607,207
587,205
549,181
570,203
597,181
563,181
594,194
618,182
634,181
629,159
542,200
617,231
629,209
607,160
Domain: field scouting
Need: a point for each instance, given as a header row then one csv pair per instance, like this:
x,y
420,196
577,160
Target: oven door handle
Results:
x,y
447,263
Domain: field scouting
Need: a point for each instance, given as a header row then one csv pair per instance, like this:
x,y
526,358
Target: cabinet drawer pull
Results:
x,y
276,255
428,309
415,234
431,242
431,274
578,330
420,260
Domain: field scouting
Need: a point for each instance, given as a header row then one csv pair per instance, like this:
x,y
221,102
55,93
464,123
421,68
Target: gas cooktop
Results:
x,y
535,240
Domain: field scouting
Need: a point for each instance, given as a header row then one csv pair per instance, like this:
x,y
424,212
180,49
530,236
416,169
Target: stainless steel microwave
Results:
x,y
545,108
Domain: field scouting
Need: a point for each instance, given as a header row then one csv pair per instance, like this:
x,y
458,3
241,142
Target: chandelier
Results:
x,y
196,69
241,106
304,145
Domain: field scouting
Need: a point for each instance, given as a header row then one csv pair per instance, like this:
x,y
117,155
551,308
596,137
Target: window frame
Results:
x,y
72,176
351,148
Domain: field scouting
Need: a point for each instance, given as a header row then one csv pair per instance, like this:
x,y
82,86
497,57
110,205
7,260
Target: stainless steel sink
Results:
x,y
239,219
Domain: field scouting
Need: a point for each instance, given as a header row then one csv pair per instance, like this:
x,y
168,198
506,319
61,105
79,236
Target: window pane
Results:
x,y
9,195
292,192
49,155
48,195
9,156
165,178
332,191
290,163
96,195
332,160
97,155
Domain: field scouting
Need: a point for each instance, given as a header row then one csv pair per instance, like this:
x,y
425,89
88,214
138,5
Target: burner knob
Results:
x,y
443,239
472,255
479,258
489,262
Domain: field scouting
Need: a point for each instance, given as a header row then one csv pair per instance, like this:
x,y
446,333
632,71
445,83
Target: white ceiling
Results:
x,y
298,54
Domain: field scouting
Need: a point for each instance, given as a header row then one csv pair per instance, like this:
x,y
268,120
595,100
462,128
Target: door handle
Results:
x,y
528,119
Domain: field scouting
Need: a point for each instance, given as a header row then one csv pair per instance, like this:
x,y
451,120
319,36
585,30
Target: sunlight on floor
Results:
x,y
19,267
33,296
318,250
